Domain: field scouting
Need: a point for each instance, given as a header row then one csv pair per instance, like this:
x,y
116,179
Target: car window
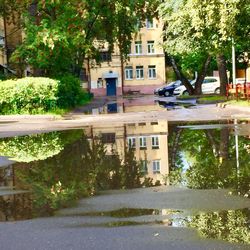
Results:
x,y
210,80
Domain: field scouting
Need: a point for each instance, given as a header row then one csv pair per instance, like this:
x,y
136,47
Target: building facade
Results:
x,y
149,140
143,71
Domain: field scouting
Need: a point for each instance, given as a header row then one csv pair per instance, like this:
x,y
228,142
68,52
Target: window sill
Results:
x,y
155,147
143,148
156,172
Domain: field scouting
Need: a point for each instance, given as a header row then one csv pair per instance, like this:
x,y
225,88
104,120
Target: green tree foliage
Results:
x,y
203,29
55,179
226,225
212,160
59,35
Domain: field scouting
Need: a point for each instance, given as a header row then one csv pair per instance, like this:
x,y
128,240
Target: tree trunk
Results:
x,y
211,138
221,63
224,143
180,75
201,76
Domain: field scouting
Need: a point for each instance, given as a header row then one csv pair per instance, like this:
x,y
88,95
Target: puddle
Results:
x,y
231,225
137,105
128,212
54,170
174,105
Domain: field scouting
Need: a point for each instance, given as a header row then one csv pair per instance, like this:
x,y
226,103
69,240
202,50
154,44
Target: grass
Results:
x,y
242,103
204,98
213,98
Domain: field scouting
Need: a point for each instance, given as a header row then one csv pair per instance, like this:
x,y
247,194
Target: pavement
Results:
x,y
71,229
11,125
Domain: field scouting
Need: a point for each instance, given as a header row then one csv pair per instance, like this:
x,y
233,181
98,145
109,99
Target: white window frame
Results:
x,y
139,71
138,47
149,24
129,73
152,72
143,142
155,142
156,166
131,142
151,47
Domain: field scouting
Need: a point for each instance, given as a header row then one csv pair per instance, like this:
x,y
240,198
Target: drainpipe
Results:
x,y
122,73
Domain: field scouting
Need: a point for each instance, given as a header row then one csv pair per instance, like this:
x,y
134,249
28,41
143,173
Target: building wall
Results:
x,y
137,130
145,59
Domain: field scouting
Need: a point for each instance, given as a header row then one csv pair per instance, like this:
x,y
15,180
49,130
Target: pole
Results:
x,y
233,63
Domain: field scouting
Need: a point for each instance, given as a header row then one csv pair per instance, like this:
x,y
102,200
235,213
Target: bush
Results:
x,y
35,95
70,93
28,95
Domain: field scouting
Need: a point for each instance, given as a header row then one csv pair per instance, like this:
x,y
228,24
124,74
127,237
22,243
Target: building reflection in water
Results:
x,y
149,140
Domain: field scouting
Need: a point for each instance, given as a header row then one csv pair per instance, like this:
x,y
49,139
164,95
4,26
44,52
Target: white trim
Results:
x,y
156,166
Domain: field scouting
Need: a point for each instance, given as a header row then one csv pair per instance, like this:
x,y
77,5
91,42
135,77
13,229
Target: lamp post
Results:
x,y
233,63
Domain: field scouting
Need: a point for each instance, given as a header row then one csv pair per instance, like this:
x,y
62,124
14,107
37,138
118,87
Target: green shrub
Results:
x,y
70,93
28,95
36,95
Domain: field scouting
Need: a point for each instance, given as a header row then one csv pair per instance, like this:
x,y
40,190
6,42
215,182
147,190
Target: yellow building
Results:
x,y
143,71
148,139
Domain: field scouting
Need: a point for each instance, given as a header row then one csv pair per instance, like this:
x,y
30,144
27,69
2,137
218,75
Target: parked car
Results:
x,y
211,84
168,90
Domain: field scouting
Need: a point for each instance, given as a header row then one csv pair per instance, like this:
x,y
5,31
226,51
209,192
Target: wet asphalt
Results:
x,y
69,229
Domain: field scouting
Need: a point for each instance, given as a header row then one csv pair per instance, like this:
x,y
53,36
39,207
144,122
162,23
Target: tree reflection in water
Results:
x,y
206,159
81,168
226,225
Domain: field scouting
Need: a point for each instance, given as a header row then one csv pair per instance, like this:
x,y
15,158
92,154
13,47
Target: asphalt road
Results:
x,y
69,229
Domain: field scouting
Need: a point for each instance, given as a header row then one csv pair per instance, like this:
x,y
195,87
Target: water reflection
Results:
x,y
208,157
61,167
232,225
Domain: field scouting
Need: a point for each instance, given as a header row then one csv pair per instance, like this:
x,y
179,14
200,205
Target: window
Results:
x,y
138,47
151,48
149,24
108,138
155,142
99,83
144,166
143,142
131,142
139,72
105,56
128,73
156,166
210,80
151,72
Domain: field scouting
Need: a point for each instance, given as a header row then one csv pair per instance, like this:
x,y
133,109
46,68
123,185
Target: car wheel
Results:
x,y
185,93
166,94
217,91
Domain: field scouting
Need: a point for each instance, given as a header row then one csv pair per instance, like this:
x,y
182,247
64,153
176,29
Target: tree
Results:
x,y
203,28
59,36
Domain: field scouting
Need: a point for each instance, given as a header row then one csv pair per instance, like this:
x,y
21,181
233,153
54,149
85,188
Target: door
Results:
x,y
112,107
111,86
